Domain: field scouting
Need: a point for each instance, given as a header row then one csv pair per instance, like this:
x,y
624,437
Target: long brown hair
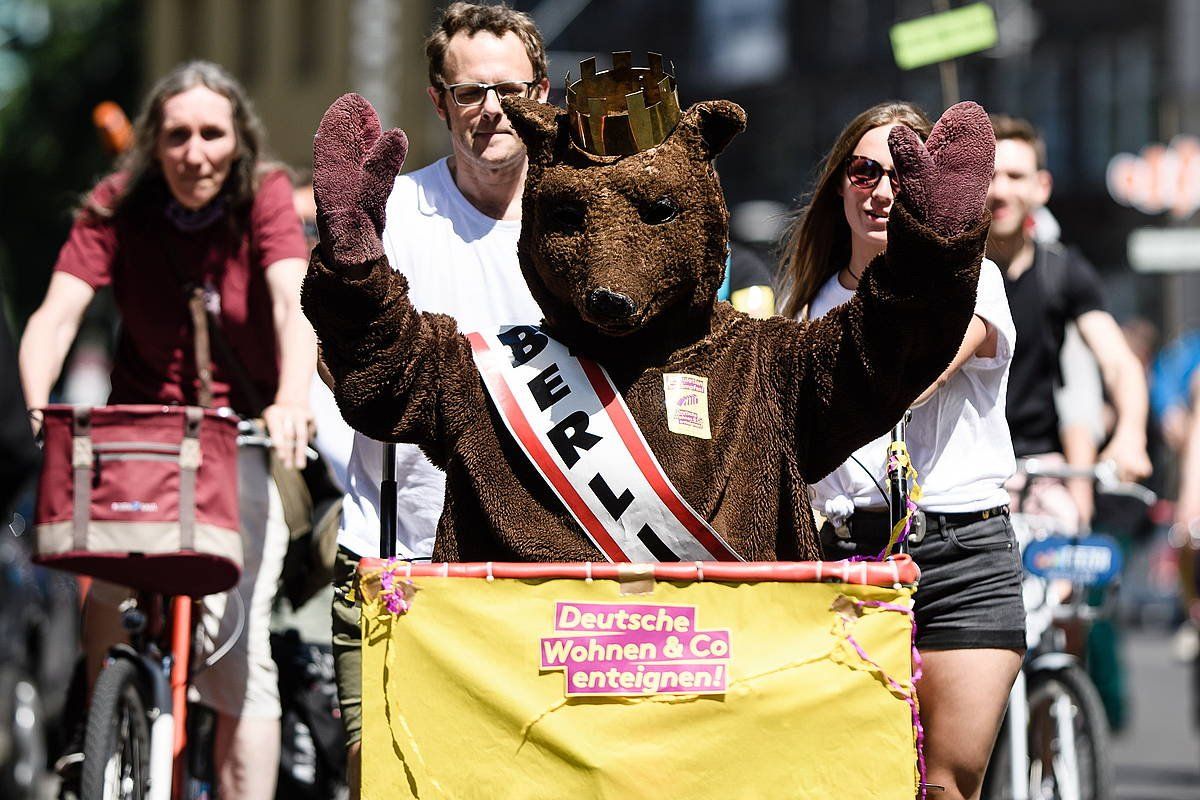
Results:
x,y
144,173
817,241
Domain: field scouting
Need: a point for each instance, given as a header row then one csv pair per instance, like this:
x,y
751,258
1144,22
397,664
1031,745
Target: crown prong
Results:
x,y
640,125
628,109
596,118
670,100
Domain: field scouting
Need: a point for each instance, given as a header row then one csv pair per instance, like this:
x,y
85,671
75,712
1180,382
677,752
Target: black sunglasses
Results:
x,y
865,173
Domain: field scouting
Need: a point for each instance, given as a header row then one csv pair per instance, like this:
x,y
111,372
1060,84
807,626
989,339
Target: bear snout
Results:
x,y
609,305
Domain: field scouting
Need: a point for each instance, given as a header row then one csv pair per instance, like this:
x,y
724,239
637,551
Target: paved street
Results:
x,y
1158,757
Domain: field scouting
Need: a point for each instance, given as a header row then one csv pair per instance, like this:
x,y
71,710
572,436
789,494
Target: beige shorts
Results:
x,y
244,682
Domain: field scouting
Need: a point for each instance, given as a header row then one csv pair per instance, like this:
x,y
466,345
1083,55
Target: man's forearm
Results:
x,y
1131,401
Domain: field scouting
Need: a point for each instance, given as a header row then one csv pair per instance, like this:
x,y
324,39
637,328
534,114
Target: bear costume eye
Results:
x,y
567,217
661,211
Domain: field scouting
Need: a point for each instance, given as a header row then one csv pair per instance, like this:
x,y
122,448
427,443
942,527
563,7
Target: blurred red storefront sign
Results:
x,y
1159,179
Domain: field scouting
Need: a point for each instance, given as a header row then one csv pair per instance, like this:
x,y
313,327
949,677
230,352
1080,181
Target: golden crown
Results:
x,y
623,110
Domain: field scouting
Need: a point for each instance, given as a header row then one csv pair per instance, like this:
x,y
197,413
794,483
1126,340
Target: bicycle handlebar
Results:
x,y
253,435
1104,473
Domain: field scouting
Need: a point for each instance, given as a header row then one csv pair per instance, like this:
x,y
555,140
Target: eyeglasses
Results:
x,y
473,94
865,173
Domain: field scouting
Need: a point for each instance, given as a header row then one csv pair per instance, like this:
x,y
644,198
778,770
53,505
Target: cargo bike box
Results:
x,y
143,496
697,680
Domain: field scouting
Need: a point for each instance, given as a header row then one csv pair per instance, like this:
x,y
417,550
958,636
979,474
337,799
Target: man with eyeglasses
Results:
x,y
452,230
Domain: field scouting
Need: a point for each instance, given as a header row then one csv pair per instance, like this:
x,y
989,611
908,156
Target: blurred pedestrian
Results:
x,y
452,230
18,453
747,285
970,620
1175,395
195,210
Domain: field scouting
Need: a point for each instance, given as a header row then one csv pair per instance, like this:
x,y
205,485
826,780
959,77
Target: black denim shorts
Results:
x,y
969,596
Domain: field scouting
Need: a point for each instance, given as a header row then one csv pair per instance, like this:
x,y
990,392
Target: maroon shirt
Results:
x,y
147,260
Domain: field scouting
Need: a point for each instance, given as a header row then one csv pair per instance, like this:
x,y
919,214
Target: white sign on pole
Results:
x,y
1164,249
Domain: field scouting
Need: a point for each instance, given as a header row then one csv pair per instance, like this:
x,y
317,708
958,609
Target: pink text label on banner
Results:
x,y
622,650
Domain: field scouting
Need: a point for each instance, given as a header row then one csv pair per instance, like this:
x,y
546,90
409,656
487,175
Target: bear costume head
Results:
x,y
625,246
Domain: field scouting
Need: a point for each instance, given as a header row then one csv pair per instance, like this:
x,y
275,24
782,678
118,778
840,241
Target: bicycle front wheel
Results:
x,y
116,751
1068,738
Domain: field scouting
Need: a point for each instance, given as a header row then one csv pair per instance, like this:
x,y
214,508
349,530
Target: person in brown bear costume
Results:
x,y
624,254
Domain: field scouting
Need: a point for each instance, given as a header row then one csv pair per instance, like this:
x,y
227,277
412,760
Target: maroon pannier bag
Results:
x,y
142,496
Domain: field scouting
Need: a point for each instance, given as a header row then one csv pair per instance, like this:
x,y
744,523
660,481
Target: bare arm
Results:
x,y
49,334
980,340
324,374
1079,448
1126,385
289,418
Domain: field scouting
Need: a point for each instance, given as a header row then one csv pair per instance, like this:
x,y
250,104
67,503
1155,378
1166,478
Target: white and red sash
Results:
x,y
572,424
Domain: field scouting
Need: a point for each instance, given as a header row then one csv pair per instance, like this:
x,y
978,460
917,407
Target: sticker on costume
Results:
x,y
632,650
687,404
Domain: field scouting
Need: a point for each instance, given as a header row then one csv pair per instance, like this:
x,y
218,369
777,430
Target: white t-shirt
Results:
x,y
335,437
958,439
458,261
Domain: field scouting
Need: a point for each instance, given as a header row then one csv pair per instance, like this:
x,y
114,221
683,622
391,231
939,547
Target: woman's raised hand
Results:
x,y
944,181
354,167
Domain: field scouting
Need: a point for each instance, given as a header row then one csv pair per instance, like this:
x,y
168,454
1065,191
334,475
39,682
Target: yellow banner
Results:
x,y
564,688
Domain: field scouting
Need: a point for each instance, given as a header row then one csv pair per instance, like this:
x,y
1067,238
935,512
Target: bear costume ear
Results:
x,y
711,125
536,123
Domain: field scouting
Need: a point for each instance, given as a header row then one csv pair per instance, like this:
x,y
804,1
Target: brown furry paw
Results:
x,y
944,181
354,167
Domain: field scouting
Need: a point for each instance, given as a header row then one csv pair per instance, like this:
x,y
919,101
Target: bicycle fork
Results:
x,y
1018,743
162,735
168,680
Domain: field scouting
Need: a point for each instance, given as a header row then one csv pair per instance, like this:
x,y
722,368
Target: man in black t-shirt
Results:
x,y
1048,286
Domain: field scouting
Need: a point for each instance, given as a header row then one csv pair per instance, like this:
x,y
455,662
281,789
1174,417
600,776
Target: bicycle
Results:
x,y
136,739
1054,742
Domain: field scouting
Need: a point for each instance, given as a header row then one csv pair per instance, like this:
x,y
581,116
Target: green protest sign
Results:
x,y
941,37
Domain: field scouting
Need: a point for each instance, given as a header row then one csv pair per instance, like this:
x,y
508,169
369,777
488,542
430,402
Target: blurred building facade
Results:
x,y
295,57
1097,76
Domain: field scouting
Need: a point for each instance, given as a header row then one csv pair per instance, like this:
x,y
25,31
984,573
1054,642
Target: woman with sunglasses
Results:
x,y
969,616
